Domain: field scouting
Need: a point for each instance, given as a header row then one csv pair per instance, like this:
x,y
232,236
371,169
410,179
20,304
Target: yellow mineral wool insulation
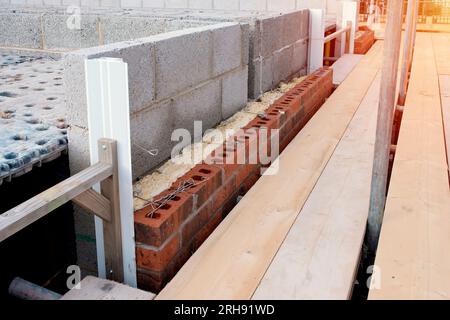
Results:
x,y
162,178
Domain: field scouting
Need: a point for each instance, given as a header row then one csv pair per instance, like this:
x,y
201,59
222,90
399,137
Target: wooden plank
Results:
x,y
444,84
320,256
385,122
231,263
28,212
412,261
95,203
441,46
112,229
92,288
343,66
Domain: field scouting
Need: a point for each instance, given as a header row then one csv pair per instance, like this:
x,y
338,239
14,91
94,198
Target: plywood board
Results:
x,y
444,84
343,66
320,256
412,260
441,46
231,263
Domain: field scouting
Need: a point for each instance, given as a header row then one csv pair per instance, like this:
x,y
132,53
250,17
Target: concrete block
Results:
x,y
267,71
255,40
201,4
201,104
20,30
177,4
260,77
183,59
227,48
254,79
84,223
305,24
234,92
281,5
180,24
78,149
116,29
75,90
58,35
282,64
153,3
292,27
141,73
259,5
226,4
245,46
300,57
272,35
87,256
130,3
151,129
110,3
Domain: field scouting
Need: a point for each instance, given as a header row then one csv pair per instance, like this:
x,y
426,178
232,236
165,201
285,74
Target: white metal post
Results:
x,y
316,39
350,14
109,117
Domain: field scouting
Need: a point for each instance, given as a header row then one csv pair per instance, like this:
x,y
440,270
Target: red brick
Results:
x,y
195,223
225,158
207,230
244,173
229,205
154,231
223,193
206,178
268,122
156,259
280,115
249,182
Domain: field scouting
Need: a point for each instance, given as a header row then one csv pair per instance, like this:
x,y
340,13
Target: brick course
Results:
x,y
166,240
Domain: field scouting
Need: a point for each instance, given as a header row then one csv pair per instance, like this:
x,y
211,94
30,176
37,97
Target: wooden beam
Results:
x,y
37,207
385,121
95,203
412,259
233,260
320,256
444,84
112,230
441,46
344,66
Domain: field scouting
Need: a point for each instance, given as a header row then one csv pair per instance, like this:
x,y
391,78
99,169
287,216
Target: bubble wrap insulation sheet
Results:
x,y
32,113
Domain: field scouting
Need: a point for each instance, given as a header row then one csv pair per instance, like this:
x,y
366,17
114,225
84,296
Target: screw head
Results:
x,y
104,147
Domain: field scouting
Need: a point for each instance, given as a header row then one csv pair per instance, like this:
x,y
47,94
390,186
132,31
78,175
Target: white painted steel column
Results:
x,y
109,117
316,39
350,14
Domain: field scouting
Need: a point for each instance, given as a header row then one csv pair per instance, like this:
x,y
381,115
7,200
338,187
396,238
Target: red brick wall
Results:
x,y
364,40
167,239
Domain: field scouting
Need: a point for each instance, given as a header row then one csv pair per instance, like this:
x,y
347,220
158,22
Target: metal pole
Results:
x,y
25,290
385,121
407,50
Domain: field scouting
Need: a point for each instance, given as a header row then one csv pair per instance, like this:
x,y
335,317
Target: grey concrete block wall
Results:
x,y
52,30
20,31
182,60
251,5
275,43
174,79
